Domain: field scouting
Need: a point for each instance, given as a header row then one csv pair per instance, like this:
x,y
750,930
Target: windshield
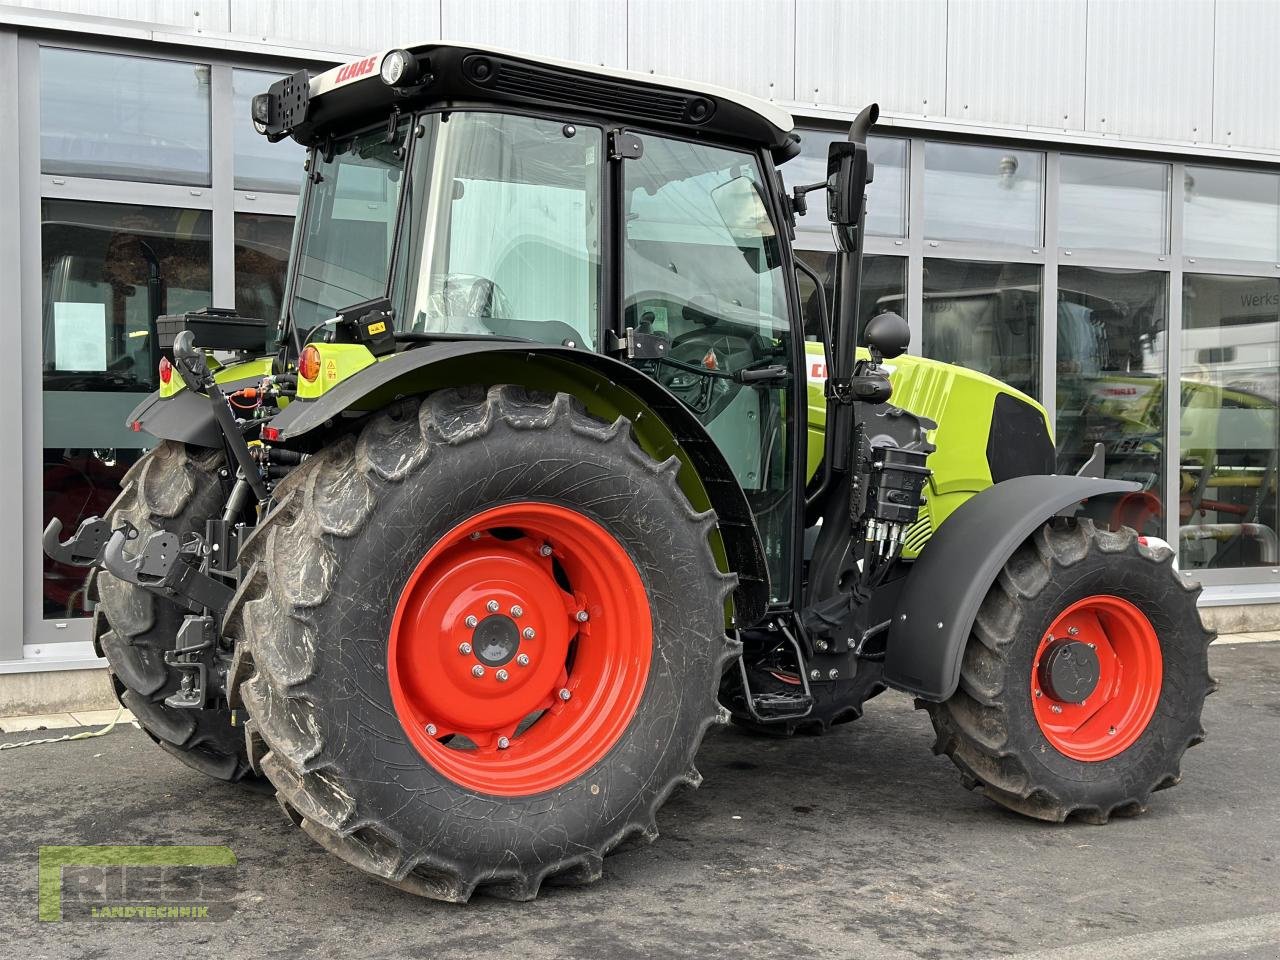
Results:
x,y
506,230
344,247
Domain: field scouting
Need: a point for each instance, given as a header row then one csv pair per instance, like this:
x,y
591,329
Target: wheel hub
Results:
x,y
497,639
1069,671
1096,678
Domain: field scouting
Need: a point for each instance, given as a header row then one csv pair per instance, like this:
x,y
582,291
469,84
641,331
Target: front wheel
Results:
x,y
1083,680
480,642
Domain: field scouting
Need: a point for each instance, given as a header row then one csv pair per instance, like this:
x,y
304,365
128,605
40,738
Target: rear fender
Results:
x,y
957,567
608,389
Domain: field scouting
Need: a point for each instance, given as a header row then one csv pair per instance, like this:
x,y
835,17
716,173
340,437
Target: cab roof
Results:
x,y
459,76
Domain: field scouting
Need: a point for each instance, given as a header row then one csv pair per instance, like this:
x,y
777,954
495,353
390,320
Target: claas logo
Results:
x,y
351,71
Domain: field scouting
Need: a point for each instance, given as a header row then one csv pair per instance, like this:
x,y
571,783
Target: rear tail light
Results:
x,y
309,364
166,371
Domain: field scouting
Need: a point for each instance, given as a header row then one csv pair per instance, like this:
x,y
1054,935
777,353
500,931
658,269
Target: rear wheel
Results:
x,y
173,487
480,643
1084,678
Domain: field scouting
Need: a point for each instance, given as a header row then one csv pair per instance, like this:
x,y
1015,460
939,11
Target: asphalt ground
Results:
x,y
860,844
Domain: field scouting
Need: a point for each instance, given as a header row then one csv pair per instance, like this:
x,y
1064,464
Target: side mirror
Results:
x,y
888,335
848,173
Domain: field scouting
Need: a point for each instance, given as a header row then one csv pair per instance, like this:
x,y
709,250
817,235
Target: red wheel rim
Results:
x,y
520,649
1130,669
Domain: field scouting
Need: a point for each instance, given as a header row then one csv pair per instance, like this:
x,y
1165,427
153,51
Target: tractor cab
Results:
x,y
479,195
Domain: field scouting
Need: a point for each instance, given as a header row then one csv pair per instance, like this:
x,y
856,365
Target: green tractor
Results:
x,y
537,478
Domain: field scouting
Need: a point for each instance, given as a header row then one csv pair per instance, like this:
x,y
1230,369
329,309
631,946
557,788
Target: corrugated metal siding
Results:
x,y
1162,70
1150,69
1246,83
745,44
1017,61
352,25
590,31
850,52
174,13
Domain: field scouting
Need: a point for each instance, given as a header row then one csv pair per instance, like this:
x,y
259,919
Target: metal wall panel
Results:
x,y
590,31
850,52
1017,61
353,26
748,45
175,13
1246,83
1150,69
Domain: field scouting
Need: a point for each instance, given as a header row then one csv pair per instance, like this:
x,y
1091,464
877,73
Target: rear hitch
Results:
x,y
167,567
194,656
86,547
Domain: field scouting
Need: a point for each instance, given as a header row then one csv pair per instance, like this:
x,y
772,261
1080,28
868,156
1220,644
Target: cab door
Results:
x,y
703,269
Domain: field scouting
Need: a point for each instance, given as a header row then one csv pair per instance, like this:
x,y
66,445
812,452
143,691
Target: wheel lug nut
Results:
x,y
517,611
431,729
471,622
492,606
581,616
503,743
475,535
528,633
1055,708
464,648
523,659
1073,631
501,675
477,671
545,549
564,694
1111,731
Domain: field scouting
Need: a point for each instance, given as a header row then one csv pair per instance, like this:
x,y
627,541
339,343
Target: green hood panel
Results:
x,y
959,400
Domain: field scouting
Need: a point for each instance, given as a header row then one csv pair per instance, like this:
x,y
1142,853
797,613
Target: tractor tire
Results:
x,y
173,487
1083,680
834,701
480,642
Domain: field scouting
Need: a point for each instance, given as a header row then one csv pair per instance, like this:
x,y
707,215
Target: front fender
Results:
x,y
608,388
947,584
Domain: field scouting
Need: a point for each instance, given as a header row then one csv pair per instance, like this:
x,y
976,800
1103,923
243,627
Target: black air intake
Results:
x,y
531,82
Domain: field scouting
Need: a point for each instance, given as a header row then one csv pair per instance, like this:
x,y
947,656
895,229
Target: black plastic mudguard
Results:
x,y
186,416
402,375
955,570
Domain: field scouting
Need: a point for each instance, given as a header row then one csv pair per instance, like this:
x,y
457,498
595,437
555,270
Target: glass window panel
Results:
x,y
109,270
507,229
345,244
884,287
262,256
886,194
260,164
990,194
1232,214
1112,204
79,483
985,316
124,118
1111,382
1230,381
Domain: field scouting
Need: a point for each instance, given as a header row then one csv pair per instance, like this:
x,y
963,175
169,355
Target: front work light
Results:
x,y
398,69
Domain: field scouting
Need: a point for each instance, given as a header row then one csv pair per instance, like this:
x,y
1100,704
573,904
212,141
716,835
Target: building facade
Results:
x,y
1079,197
